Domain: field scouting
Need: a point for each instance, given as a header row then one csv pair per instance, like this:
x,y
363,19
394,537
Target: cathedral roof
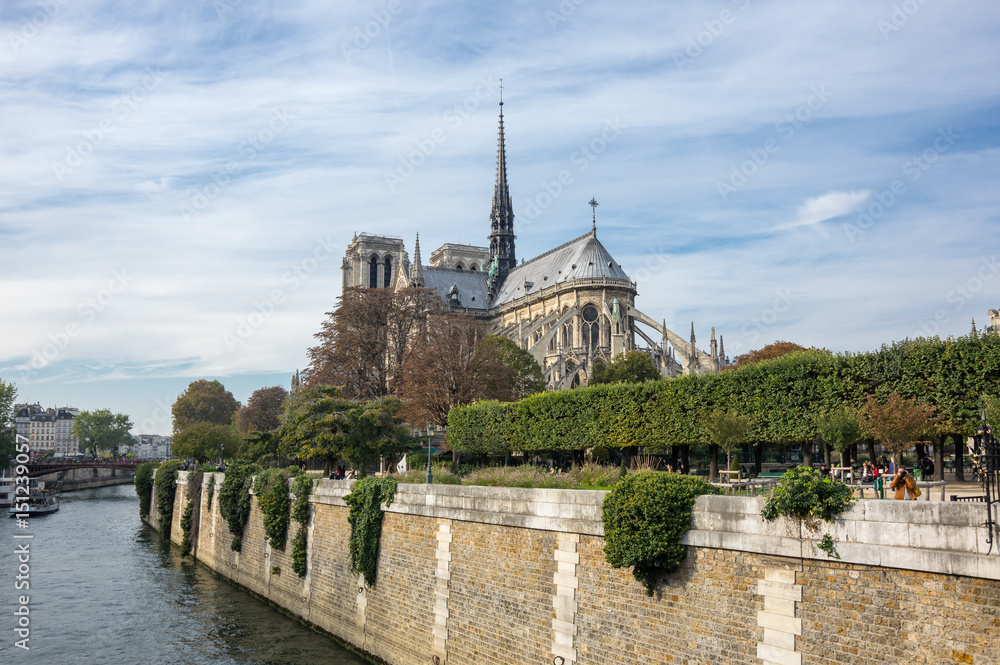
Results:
x,y
581,258
470,283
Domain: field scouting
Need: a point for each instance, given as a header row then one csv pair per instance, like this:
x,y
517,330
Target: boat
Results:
x,y
42,502
7,489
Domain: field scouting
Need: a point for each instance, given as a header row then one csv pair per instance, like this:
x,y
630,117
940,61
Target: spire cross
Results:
x,y
593,204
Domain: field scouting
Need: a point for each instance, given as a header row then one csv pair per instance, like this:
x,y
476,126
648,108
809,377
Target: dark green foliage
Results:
x,y
630,367
235,501
804,493
187,520
645,516
301,488
780,397
365,517
826,544
211,489
144,486
166,489
271,488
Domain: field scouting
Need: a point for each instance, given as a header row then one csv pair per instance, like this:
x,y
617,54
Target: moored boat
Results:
x,y
39,503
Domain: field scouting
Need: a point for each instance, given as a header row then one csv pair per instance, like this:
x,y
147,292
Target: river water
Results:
x,y
104,591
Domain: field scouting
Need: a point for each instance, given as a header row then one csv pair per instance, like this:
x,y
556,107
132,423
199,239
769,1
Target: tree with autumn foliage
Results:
x,y
262,412
769,352
364,341
897,423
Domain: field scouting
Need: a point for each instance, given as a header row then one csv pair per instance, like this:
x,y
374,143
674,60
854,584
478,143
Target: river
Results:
x,y
104,591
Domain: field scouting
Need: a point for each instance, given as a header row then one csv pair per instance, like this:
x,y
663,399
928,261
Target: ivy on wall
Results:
x,y
144,486
235,500
365,517
187,517
271,488
166,489
301,488
645,516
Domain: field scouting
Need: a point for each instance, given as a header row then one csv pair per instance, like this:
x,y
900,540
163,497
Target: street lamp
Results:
x,y
430,435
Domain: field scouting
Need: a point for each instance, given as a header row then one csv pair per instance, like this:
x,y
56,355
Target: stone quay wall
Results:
x,y
510,576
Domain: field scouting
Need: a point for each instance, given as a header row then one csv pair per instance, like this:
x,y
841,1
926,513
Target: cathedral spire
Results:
x,y
593,204
501,217
417,274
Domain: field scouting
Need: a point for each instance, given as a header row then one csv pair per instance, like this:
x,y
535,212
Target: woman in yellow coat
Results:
x,y
904,482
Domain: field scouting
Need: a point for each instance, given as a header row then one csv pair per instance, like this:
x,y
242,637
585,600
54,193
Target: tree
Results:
x,y
366,338
726,430
839,429
442,369
630,367
897,423
505,371
102,430
204,441
992,410
8,435
204,401
263,410
320,423
773,350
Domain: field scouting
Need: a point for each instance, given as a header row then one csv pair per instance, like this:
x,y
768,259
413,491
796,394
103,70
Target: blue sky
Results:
x,y
177,176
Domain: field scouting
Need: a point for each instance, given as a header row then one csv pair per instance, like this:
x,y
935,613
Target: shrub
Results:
x,y
144,486
805,494
645,516
365,517
166,489
302,488
234,499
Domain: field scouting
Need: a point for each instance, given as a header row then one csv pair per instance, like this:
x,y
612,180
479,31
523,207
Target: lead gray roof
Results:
x,y
581,258
471,285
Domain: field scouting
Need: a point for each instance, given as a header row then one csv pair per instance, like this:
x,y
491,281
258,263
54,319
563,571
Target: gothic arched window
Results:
x,y
388,272
458,267
590,330
373,273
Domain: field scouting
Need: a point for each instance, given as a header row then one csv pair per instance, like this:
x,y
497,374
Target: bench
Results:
x,y
981,498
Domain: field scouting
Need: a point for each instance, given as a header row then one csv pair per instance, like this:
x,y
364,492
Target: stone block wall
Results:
x,y
501,575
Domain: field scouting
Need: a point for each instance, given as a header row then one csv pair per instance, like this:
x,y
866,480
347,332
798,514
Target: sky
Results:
x,y
179,180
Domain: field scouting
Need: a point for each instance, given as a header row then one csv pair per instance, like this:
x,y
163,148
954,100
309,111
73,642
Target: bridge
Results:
x,y
68,475
36,469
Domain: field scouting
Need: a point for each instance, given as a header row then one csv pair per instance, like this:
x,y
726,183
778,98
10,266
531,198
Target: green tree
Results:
x,y
630,367
102,430
506,371
205,441
726,430
263,410
320,423
8,438
840,429
993,413
203,401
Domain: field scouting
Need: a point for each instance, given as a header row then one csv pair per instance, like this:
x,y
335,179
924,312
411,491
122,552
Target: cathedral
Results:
x,y
570,307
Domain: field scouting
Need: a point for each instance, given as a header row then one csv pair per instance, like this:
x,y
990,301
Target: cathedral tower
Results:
x,y
502,259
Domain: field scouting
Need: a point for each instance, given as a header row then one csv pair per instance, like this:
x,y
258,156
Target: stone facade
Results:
x,y
500,575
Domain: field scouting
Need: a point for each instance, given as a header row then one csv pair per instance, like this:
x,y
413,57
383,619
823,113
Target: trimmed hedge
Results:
x,y
780,396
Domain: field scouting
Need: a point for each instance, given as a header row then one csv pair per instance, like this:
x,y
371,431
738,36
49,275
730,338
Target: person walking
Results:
x,y
904,482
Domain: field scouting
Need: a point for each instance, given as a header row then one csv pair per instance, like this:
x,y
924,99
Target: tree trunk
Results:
x,y
938,457
686,457
898,458
827,455
807,453
921,450
628,453
674,456
713,462
758,458
959,457
871,451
